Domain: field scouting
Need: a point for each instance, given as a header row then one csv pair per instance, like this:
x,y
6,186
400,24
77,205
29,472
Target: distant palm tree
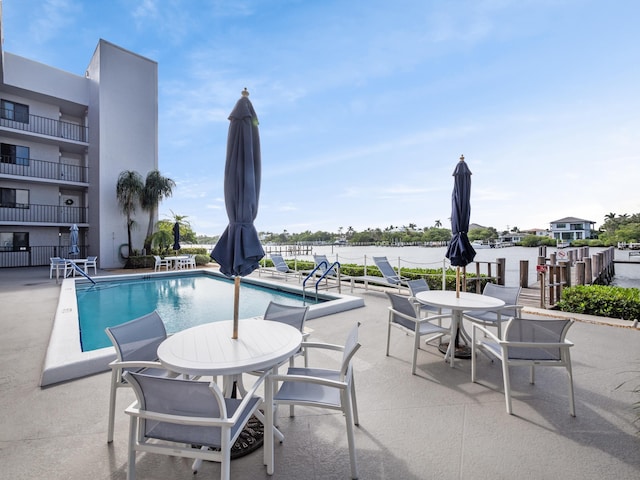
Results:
x,y
438,224
156,188
128,191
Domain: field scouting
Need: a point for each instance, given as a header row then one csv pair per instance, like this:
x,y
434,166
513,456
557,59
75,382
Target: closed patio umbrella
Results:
x,y
239,250
73,240
460,252
176,236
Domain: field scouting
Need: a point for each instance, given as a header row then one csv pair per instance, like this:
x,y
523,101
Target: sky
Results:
x,y
365,106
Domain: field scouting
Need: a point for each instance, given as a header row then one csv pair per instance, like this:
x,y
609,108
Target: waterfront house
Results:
x,y
572,228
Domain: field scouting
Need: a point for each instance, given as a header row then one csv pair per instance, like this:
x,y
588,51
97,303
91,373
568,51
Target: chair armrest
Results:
x,y
486,331
431,318
326,346
308,379
141,364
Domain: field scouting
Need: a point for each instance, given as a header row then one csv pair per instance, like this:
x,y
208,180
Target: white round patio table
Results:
x,y
458,304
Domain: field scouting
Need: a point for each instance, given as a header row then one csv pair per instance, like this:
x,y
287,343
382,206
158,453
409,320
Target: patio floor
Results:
x,y
435,425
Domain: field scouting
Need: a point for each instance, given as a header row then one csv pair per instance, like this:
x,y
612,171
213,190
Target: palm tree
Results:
x,y
128,191
438,224
156,188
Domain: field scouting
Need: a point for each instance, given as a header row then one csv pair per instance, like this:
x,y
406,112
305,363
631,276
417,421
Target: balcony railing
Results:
x,y
29,167
37,255
45,126
44,214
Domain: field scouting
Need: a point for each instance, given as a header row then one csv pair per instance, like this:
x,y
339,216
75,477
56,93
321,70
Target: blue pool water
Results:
x,y
181,301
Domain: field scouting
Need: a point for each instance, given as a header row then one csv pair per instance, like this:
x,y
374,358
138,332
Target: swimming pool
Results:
x,y
182,302
65,359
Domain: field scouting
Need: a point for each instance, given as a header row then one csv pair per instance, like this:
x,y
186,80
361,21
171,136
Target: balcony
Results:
x,y
44,126
29,167
33,213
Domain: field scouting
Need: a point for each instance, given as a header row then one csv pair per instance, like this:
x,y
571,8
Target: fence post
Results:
x,y
524,273
588,270
501,270
580,273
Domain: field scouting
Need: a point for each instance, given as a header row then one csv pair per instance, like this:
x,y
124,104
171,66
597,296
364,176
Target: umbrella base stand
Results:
x,y
250,439
462,351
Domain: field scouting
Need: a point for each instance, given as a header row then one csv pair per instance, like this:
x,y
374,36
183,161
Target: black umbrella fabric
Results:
x,y
460,252
239,249
176,236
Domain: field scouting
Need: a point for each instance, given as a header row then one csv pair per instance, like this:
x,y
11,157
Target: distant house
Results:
x,y
571,228
538,232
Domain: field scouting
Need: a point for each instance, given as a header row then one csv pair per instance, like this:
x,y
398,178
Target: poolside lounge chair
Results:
x,y
531,342
329,270
280,267
390,277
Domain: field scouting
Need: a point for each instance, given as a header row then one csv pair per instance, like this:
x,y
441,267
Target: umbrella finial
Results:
x,y
462,158
245,92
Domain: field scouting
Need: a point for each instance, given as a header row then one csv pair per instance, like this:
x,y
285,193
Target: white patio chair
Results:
x,y
324,388
160,262
136,343
170,415
403,315
294,316
56,264
92,262
495,317
421,285
529,342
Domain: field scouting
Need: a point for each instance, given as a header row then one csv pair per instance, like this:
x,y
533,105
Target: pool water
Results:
x,y
182,302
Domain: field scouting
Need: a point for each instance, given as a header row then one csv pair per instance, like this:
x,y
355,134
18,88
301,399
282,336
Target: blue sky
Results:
x,y
365,106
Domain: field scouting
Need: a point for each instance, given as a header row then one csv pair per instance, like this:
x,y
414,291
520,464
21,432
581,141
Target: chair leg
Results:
x,y
350,435
416,347
354,402
112,405
507,384
131,467
572,403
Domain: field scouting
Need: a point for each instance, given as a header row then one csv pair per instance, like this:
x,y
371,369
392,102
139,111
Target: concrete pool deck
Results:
x,y
434,425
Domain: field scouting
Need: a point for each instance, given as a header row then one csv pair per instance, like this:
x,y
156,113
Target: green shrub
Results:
x,y
602,301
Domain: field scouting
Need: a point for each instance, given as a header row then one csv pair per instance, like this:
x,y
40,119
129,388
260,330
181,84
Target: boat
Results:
x,y
479,244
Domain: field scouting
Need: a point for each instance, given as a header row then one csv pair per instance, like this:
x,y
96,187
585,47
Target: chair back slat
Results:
x,y
290,314
138,339
509,295
402,304
351,346
417,286
539,331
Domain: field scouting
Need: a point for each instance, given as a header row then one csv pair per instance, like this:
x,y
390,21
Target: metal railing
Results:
x,y
45,126
30,167
37,256
44,213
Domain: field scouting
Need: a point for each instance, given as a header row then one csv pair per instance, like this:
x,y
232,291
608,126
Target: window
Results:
x,y
560,226
15,154
14,241
14,111
14,198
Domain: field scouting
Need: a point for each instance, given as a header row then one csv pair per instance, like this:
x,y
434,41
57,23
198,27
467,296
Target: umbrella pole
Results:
x,y
457,282
236,304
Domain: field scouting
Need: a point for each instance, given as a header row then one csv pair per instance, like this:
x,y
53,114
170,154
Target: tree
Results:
x,y
128,191
156,188
438,224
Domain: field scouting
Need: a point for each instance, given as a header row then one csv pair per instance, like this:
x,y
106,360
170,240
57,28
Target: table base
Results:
x,y
462,351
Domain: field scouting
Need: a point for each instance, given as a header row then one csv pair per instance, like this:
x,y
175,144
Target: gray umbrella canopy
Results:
x,y
176,236
73,240
239,249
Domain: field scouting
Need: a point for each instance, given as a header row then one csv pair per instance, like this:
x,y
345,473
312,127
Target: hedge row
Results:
x,y
602,301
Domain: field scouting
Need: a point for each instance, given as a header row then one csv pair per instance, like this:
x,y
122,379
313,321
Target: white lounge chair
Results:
x,y
390,278
280,267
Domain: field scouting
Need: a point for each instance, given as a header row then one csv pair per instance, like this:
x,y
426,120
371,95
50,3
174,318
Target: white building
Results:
x,y
572,228
64,140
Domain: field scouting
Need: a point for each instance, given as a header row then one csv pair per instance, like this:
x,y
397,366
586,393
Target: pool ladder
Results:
x,y
328,268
